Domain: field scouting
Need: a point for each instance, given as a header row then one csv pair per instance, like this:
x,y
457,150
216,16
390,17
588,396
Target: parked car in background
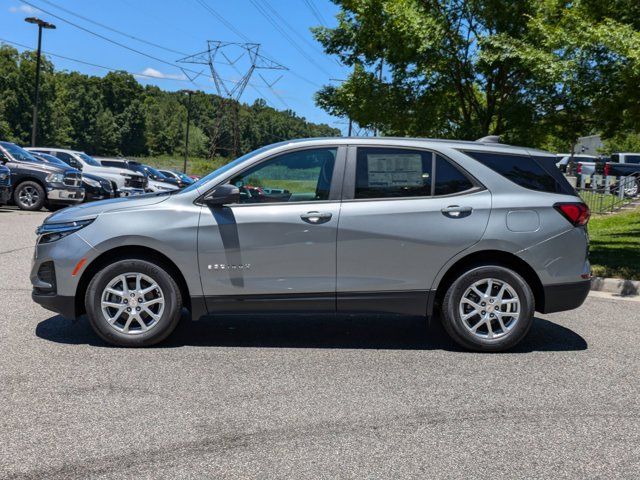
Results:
x,y
95,188
5,184
485,234
156,182
625,165
182,178
124,182
584,164
36,184
195,177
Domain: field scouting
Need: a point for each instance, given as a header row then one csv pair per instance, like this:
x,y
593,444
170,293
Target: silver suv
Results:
x,y
483,233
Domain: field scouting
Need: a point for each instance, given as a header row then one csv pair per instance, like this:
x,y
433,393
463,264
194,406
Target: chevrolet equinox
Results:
x,y
482,233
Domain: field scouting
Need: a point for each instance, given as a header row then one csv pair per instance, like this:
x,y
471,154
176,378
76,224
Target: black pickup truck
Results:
x,y
622,164
5,184
37,184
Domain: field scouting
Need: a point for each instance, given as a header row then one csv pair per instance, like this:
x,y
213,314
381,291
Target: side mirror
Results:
x,y
223,195
75,164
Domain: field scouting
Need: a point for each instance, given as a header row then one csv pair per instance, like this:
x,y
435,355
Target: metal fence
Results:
x,y
608,194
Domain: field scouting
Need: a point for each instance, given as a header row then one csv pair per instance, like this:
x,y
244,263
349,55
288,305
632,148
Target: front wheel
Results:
x,y
29,196
133,303
488,309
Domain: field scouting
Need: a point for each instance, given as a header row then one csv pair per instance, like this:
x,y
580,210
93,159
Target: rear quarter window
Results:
x,y
529,172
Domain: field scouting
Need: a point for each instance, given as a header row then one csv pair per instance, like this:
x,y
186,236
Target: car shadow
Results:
x,y
307,331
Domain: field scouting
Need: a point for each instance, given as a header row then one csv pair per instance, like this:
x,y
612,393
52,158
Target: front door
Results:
x,y
276,249
406,213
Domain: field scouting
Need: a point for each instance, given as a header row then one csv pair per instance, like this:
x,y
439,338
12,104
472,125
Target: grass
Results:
x,y
615,245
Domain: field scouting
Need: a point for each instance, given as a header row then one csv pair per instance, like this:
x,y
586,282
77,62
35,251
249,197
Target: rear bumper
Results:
x,y
565,296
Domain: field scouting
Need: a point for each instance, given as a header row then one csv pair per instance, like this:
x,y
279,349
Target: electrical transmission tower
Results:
x,y
245,59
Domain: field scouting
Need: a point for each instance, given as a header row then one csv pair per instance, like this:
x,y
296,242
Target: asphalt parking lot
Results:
x,y
304,397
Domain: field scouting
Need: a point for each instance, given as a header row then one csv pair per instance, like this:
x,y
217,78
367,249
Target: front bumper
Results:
x,y
64,194
129,192
65,306
565,296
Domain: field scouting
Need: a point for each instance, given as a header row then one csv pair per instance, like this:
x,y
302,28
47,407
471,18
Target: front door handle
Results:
x,y
456,211
316,217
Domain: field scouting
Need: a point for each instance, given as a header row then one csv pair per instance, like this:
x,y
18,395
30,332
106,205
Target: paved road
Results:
x,y
312,398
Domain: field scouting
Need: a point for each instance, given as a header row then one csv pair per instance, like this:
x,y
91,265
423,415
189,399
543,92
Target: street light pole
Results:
x,y
36,97
186,139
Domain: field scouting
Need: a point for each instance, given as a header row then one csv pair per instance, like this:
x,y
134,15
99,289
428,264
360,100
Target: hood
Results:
x,y
47,167
93,209
114,171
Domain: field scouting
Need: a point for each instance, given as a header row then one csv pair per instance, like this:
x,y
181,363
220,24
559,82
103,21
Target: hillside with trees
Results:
x,y
116,115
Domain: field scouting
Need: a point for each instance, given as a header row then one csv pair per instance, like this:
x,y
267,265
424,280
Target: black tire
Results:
x,y
454,325
165,324
29,190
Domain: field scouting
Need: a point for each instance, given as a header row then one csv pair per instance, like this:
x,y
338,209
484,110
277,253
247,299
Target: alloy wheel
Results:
x,y
29,196
490,308
132,303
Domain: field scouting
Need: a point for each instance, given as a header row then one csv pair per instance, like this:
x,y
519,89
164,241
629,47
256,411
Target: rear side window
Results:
x,y
449,180
522,170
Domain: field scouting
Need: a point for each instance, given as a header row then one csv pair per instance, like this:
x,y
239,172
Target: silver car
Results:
x,y
480,233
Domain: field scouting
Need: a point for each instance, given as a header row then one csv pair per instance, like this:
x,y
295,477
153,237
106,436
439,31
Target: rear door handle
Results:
x,y
316,217
456,211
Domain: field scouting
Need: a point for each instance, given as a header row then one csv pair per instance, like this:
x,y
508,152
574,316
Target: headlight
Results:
x,y
91,181
3,176
50,232
55,178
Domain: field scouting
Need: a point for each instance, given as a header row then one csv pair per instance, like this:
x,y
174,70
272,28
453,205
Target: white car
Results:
x,y
125,182
155,181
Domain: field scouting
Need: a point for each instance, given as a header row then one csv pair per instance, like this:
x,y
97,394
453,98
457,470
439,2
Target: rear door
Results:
x,y
405,213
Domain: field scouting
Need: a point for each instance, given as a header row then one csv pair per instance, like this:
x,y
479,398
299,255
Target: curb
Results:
x,y
616,285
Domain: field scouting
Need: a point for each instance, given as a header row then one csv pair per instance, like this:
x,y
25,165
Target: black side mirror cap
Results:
x,y
223,195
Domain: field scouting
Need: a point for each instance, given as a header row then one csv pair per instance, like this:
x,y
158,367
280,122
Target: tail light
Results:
x,y
607,169
577,213
579,169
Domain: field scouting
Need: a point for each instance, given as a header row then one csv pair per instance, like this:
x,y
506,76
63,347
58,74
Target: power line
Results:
x,y
115,42
272,20
232,28
316,13
106,27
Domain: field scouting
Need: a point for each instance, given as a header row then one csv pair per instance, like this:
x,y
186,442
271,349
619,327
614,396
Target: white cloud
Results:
x,y
24,9
152,72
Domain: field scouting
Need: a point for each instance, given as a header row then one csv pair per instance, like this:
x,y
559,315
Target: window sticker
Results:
x,y
395,170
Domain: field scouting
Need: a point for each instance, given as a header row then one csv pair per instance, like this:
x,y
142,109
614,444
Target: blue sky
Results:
x,y
181,27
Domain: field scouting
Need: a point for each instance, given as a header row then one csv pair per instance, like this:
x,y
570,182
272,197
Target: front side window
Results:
x,y
392,172
301,176
89,160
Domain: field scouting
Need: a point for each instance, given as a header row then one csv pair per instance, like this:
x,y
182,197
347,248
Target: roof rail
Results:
x,y
489,139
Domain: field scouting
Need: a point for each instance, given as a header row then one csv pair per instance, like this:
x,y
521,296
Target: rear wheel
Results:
x,y
488,309
29,196
133,303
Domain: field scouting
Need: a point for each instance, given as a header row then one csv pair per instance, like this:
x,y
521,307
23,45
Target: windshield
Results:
x,y
226,168
18,153
89,160
154,173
